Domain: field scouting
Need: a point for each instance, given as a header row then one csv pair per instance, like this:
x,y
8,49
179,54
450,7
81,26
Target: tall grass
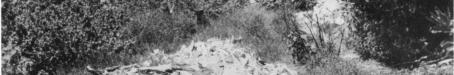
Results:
x,y
265,31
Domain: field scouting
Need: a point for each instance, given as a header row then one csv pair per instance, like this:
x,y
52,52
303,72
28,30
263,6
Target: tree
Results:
x,y
400,33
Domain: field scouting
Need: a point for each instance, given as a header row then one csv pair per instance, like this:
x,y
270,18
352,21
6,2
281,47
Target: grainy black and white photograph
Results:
x,y
227,37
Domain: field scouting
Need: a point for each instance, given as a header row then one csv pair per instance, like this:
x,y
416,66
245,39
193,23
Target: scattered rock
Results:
x,y
213,57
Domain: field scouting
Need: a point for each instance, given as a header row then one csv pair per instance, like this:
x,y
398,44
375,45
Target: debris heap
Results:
x,y
212,57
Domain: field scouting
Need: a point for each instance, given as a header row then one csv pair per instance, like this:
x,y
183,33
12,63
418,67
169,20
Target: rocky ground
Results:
x,y
211,57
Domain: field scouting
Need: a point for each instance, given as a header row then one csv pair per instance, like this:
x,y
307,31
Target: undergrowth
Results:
x,y
62,37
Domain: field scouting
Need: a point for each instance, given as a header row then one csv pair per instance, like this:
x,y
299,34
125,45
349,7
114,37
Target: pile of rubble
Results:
x,y
212,57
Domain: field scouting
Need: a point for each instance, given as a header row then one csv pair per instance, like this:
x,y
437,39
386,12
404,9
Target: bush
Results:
x,y
403,38
63,33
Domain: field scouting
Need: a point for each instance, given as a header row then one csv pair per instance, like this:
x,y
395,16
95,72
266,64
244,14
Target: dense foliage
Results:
x,y
69,33
403,33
